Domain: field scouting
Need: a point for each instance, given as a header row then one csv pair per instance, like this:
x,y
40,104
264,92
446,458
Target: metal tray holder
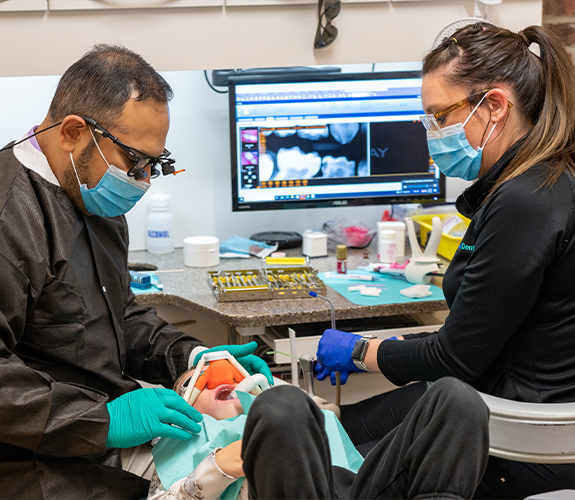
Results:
x,y
264,284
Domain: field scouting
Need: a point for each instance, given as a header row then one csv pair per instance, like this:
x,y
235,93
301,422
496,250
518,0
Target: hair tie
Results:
x,y
525,39
454,39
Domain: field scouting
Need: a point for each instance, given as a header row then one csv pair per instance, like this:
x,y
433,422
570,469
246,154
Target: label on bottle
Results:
x,y
158,234
341,266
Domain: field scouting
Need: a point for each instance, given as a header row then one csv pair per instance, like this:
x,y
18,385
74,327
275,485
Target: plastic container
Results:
x,y
315,244
399,228
387,246
160,225
448,244
201,251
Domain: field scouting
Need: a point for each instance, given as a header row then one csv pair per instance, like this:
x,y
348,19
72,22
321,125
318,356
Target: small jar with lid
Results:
x,y
341,255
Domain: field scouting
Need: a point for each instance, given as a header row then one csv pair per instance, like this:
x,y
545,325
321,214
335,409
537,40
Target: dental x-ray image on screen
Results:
x,y
335,150
330,140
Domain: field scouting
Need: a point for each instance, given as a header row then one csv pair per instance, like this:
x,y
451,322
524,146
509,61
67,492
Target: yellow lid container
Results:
x,y
448,244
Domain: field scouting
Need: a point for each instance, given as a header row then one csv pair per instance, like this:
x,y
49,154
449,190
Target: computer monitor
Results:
x,y
342,139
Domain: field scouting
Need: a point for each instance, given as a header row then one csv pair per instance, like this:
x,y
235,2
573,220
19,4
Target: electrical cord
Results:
x,y
212,87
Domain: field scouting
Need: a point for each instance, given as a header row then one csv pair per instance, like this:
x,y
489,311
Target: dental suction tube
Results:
x,y
337,374
314,294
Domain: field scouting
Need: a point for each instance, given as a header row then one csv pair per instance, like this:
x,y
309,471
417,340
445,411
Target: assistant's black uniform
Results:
x,y
510,331
71,339
511,293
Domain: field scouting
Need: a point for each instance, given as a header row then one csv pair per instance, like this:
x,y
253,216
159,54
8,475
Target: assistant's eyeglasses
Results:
x,y
141,160
430,120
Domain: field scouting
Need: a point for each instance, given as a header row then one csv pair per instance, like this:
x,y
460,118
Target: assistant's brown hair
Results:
x,y
481,56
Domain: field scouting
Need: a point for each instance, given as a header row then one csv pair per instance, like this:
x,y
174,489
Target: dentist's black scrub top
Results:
x,y
71,339
510,288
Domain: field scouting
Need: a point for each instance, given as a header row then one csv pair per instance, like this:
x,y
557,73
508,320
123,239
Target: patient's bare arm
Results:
x,y
229,459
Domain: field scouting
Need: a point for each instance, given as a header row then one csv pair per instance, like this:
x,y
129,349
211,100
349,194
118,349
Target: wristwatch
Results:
x,y
360,350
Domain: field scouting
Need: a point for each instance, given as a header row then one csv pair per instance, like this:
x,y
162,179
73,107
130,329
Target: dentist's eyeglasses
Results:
x,y
140,160
326,33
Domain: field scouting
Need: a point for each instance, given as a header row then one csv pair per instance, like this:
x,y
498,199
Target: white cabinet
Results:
x,y
23,5
128,4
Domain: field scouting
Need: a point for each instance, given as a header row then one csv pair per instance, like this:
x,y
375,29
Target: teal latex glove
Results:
x,y
243,353
144,414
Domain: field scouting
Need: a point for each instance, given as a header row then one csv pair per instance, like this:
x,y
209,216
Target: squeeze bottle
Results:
x,y
160,225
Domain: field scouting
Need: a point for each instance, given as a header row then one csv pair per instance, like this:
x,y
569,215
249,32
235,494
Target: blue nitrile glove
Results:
x,y
334,355
243,353
144,414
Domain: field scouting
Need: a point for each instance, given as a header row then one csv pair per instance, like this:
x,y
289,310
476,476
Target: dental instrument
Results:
x,y
224,366
361,277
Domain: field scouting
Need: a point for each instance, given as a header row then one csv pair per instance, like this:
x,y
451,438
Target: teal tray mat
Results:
x,y
390,292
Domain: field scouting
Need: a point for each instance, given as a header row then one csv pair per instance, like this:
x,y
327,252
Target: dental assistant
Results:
x,y
503,116
73,342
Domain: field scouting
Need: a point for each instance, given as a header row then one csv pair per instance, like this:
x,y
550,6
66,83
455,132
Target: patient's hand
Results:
x,y
229,459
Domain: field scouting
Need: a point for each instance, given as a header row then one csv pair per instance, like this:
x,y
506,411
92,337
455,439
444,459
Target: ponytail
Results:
x,y
483,56
552,139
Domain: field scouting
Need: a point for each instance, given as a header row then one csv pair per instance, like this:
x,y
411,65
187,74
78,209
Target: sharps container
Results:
x,y
160,225
399,228
201,251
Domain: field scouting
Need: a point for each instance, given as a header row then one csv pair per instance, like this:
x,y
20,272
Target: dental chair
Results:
x,y
533,432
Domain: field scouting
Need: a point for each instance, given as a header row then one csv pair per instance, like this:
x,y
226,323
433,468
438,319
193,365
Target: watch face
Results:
x,y
357,351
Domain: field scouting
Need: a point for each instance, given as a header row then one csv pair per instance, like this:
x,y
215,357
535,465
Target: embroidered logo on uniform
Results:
x,y
470,248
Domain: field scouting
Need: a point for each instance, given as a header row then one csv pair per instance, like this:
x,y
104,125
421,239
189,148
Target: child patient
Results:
x,y
439,451
222,466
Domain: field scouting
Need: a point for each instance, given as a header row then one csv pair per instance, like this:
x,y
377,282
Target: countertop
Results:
x,y
190,290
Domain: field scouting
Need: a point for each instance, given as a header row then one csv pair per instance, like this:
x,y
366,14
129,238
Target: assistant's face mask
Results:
x,y
453,154
115,194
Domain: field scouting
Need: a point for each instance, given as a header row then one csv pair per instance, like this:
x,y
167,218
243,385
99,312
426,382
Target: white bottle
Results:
x,y
387,246
160,225
399,228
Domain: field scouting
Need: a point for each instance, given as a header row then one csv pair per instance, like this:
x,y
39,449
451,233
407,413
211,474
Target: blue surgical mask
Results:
x,y
453,154
115,194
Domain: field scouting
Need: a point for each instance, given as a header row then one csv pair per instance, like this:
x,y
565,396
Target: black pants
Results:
x,y
371,420
439,451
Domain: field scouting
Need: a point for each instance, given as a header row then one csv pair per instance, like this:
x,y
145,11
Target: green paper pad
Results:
x,y
390,292
175,459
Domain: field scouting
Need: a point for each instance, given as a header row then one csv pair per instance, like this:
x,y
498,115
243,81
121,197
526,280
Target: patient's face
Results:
x,y
217,403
